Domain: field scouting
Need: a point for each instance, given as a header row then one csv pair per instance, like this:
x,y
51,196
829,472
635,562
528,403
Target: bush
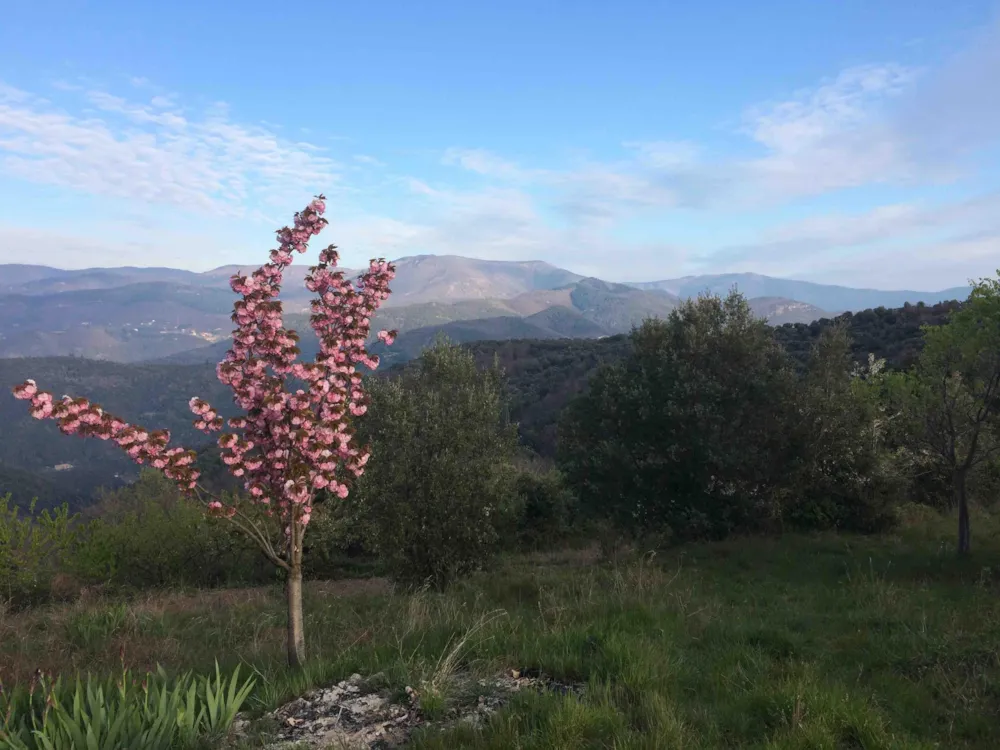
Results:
x,y
844,475
32,550
147,535
440,479
688,434
336,544
545,509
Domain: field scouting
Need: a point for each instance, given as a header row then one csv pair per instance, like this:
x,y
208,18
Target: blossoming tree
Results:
x,y
288,445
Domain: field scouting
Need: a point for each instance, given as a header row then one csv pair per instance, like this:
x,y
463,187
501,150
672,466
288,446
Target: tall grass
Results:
x,y
803,641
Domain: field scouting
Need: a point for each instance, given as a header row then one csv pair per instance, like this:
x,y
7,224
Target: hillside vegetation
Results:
x,y
892,334
543,374
154,394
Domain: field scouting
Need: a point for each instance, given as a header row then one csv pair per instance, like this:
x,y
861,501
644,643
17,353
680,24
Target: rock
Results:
x,y
352,715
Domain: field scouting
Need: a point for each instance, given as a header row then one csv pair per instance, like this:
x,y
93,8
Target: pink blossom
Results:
x,y
308,431
25,390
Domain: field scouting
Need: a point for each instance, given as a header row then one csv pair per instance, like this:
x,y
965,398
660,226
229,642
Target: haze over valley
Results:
x,y
148,314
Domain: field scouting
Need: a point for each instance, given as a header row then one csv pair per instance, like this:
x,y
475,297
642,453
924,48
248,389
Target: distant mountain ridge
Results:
x,y
134,314
28,279
589,308
450,278
830,297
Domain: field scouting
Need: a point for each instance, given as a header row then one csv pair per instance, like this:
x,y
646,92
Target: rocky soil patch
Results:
x,y
354,714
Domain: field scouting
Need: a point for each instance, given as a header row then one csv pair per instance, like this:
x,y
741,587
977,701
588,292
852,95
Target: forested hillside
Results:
x,y
542,376
150,395
891,334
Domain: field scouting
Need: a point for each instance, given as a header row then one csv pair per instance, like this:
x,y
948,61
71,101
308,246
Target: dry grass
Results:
x,y
93,633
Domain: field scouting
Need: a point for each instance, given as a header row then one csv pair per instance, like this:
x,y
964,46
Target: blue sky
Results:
x,y
851,142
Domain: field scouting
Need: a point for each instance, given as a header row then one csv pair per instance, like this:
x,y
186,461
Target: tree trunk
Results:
x,y
964,535
296,633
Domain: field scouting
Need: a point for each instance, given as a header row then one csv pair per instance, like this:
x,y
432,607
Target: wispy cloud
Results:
x,y
821,242
121,242
488,164
154,151
836,136
875,124
929,265
956,110
665,154
879,125
500,223
368,160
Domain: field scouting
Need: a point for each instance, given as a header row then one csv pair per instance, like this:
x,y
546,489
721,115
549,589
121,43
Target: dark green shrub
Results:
x,y
440,482
545,509
688,434
844,475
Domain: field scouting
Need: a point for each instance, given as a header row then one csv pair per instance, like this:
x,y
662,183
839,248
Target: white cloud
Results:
x,y
840,134
368,160
836,136
156,153
665,154
498,224
488,164
822,244
932,265
121,243
871,125
810,118
603,194
956,110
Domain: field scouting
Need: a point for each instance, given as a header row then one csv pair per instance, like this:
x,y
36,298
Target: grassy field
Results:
x,y
796,642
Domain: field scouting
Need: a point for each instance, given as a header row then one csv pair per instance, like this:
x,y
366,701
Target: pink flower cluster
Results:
x,y
77,416
289,444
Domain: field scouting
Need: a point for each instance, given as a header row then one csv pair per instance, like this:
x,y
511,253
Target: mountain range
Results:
x,y
134,314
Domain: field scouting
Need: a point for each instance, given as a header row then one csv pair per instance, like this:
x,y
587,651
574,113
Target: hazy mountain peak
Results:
x,y
423,278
